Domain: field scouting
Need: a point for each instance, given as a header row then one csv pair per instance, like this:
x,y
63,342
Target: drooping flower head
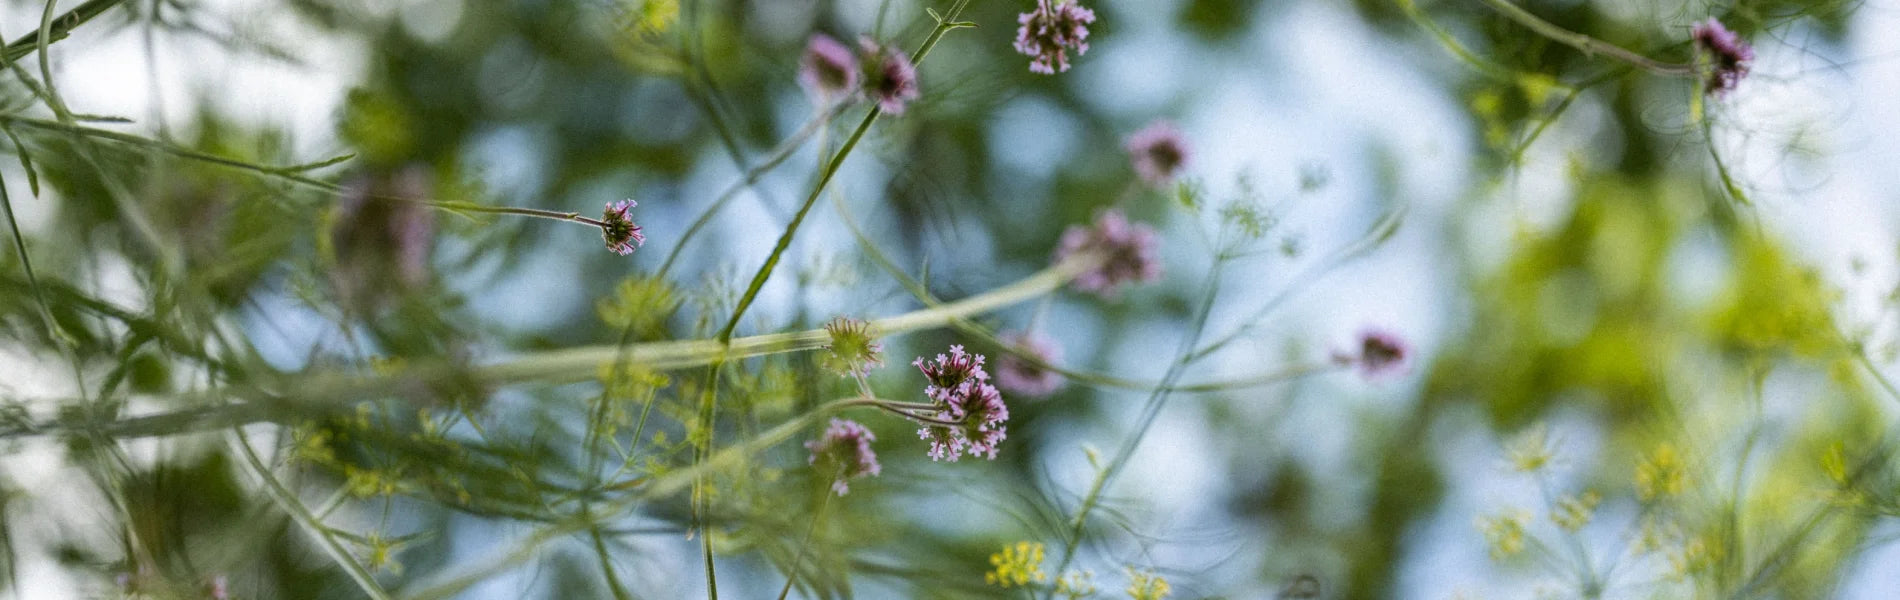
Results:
x,y
854,349
1729,56
1159,152
1130,250
971,411
829,70
618,229
1381,353
1050,30
1021,376
890,78
844,452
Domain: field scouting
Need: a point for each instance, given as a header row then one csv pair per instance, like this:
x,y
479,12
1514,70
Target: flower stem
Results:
x,y
708,404
1586,44
288,174
288,501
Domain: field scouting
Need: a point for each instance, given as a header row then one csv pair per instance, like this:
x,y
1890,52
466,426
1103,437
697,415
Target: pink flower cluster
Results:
x,y
1159,152
970,409
1381,354
1728,53
1050,30
1130,250
844,451
618,229
1020,376
830,71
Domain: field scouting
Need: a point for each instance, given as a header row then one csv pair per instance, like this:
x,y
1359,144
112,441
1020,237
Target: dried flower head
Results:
x,y
1017,564
1729,56
1381,353
854,349
890,78
1050,30
970,412
845,453
1021,376
1159,152
1130,250
829,70
618,229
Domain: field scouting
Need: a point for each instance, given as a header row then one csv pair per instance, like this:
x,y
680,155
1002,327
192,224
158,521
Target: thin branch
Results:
x,y
288,501
1586,44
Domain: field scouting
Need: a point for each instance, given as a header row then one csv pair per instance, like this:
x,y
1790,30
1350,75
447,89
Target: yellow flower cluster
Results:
x,y
1076,584
1530,451
1016,565
1146,585
1504,533
1661,475
1573,512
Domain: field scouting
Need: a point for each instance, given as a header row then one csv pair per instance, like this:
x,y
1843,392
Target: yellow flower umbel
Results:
x,y
1660,475
1573,512
1146,585
1504,533
1075,585
1016,565
655,16
1530,451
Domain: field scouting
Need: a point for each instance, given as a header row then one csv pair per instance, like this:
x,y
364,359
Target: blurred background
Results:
x,y
1648,328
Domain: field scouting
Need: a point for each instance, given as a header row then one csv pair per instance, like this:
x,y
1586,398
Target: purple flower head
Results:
x,y
971,411
980,416
947,372
1020,376
1130,250
890,78
1381,353
854,349
1728,54
618,229
1159,152
845,450
1050,30
829,69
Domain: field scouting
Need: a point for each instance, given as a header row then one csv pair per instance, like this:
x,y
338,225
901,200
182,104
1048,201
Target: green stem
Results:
x,y
1150,411
1586,44
1380,231
777,156
288,174
57,29
288,501
583,363
791,574
709,399
668,484
785,240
